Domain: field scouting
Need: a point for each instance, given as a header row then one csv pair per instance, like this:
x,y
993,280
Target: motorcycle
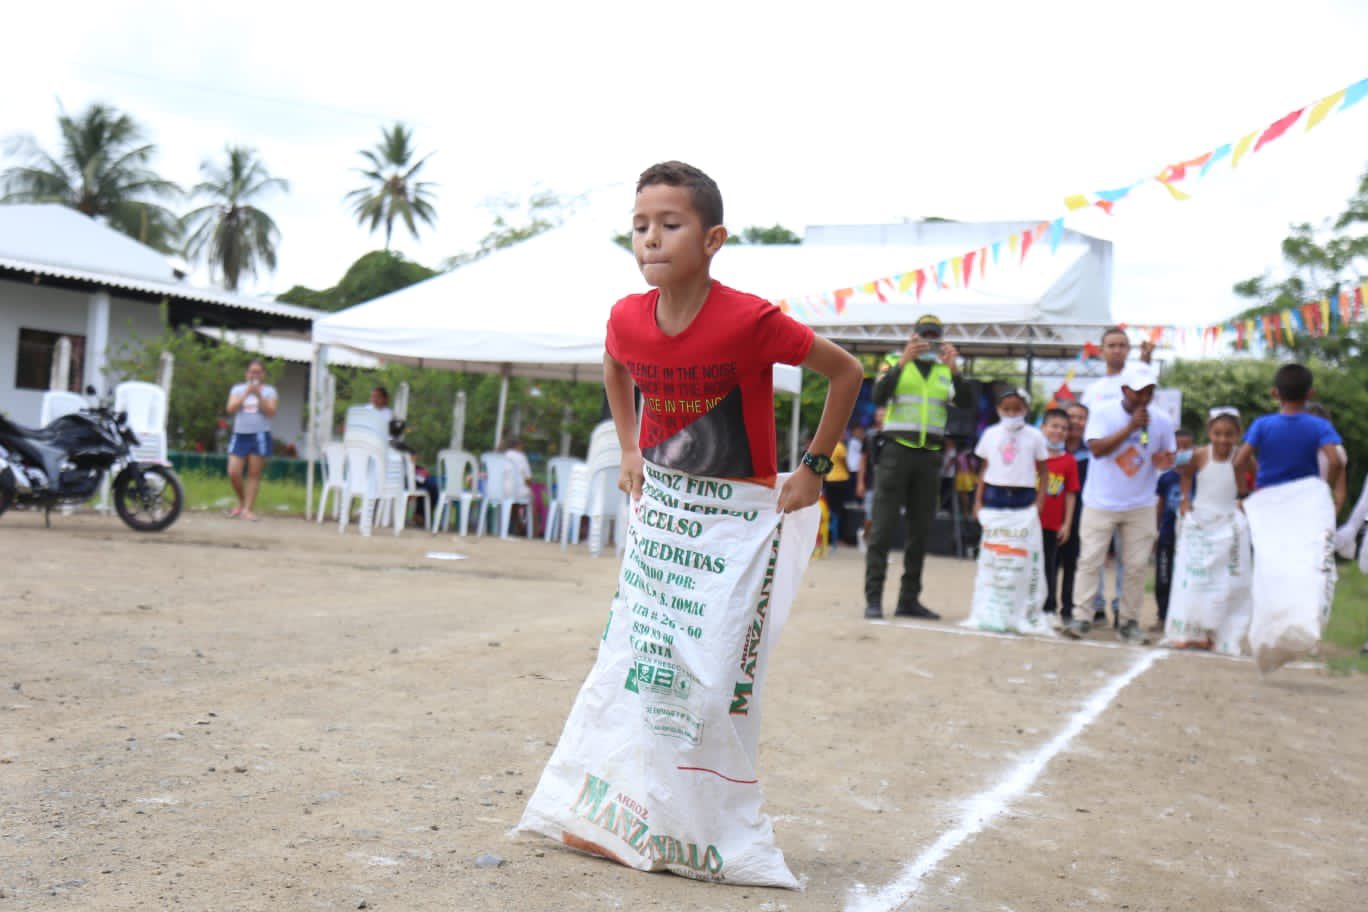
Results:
x,y
65,463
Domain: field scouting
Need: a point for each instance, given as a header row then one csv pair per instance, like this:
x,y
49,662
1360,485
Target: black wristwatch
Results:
x,y
820,465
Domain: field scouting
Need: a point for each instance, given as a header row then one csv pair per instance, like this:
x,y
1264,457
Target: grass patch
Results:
x,y
211,491
1348,627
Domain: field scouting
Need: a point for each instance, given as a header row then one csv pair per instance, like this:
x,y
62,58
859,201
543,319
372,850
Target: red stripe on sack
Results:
x,y
702,769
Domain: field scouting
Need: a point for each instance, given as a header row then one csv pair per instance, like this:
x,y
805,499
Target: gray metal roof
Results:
x,y
52,244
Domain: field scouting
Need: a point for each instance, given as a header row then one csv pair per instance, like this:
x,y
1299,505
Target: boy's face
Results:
x,y
1078,421
1056,429
1184,442
668,238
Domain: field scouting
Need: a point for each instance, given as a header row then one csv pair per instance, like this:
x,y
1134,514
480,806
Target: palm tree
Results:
x,y
230,232
102,170
391,189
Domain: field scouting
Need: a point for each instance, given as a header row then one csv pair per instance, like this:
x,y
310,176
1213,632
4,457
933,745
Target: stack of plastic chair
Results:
x,y
593,491
365,441
145,404
398,499
558,472
57,403
497,469
334,475
459,488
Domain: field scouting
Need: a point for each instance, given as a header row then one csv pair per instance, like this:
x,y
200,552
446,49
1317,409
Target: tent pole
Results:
x,y
503,404
1030,367
311,432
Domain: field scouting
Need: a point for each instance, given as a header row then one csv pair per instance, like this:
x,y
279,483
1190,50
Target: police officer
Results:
x,y
918,390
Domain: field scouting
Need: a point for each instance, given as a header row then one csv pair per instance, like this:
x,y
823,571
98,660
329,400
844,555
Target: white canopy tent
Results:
x,y
538,309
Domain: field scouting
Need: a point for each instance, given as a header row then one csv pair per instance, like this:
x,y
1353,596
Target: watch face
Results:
x,y
819,464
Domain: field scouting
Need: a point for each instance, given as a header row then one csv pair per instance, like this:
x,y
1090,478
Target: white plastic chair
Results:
x,y
334,464
457,475
496,469
607,505
145,404
558,473
57,403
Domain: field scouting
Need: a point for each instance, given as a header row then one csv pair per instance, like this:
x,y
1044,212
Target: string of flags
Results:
x,y
1174,177
960,271
1269,331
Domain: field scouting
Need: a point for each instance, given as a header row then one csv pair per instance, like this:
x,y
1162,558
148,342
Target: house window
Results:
x,y
37,348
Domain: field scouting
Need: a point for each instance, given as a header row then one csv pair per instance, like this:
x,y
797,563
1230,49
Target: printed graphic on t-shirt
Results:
x,y
1054,484
694,419
1009,450
1130,461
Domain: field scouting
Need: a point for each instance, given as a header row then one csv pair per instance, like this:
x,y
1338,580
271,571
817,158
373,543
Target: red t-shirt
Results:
x,y
1061,477
708,391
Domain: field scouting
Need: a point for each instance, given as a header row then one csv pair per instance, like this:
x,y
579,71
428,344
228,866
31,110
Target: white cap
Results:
x,y
1139,376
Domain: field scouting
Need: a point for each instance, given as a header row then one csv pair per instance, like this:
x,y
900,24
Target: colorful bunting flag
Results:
x,y
1278,128
968,263
1323,107
1025,244
1056,233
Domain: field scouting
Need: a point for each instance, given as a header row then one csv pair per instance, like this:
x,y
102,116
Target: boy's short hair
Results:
x,y
1054,413
703,192
1114,331
1184,432
1293,382
1078,405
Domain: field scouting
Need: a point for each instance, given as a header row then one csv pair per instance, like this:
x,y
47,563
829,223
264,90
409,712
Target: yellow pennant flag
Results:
x,y
957,270
1241,148
1323,107
905,282
1174,191
1080,200
1012,245
1287,327
1325,316
867,288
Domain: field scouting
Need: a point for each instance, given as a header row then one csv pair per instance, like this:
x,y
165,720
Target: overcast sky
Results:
x,y
805,113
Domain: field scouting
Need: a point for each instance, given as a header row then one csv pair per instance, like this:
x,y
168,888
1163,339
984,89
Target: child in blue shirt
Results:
x,y
1283,447
1169,497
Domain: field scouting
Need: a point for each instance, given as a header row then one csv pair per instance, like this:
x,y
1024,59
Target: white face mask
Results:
x,y
1013,422
1055,446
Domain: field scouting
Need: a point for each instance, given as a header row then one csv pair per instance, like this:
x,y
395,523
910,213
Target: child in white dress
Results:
x,y
1210,605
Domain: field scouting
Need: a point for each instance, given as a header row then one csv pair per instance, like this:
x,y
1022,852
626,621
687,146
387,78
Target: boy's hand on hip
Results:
x,y
801,490
632,474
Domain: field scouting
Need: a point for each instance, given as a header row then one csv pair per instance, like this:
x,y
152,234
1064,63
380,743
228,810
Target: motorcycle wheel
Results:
x,y
148,498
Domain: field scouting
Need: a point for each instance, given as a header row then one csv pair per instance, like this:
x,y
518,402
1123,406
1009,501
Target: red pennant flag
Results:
x,y
1358,303
1091,351
969,266
1064,394
1025,244
1278,128
1156,333
1179,171
1240,333
1105,206
1311,314
921,283
1268,327
842,296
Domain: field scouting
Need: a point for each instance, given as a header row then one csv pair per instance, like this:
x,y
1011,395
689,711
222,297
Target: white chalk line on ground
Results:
x,y
985,807
1095,644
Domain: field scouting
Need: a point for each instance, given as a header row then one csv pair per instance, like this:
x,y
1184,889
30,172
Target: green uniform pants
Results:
x,y
908,479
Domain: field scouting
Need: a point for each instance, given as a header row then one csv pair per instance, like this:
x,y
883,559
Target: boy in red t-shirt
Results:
x,y
703,354
1057,506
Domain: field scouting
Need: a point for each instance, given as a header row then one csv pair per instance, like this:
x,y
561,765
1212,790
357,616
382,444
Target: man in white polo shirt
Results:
x,y
1130,446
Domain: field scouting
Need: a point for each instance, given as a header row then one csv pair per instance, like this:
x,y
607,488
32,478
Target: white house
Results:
x,y
63,274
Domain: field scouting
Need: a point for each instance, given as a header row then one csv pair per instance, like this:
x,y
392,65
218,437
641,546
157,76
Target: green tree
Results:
x,y
516,220
103,169
231,233
392,190
375,274
1318,263
204,372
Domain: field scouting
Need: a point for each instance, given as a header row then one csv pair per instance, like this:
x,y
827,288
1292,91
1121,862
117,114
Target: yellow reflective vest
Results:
x,y
921,406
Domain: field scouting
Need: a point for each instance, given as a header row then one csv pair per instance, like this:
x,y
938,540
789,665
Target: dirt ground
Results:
x,y
239,716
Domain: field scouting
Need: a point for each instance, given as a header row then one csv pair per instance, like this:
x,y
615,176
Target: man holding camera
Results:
x,y
918,391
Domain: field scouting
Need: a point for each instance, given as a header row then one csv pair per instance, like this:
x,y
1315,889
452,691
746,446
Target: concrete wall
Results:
x,y
26,306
